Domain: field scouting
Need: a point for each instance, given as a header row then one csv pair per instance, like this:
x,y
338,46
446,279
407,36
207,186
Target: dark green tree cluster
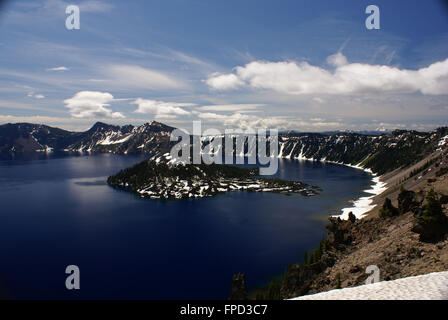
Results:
x,y
441,171
299,273
239,289
273,291
315,255
424,167
338,283
432,211
140,174
407,201
431,223
388,210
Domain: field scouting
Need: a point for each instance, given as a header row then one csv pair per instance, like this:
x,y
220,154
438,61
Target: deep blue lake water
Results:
x,y
58,211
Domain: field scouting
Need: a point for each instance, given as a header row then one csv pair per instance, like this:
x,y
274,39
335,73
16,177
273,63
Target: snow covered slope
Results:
x,y
433,286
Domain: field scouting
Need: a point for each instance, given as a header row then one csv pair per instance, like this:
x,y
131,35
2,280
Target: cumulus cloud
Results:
x,y
244,121
347,78
162,109
337,60
90,104
224,81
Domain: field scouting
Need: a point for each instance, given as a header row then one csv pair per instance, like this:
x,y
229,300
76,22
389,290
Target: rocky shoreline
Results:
x,y
405,234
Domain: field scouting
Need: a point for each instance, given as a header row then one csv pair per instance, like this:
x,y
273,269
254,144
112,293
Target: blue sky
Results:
x,y
304,65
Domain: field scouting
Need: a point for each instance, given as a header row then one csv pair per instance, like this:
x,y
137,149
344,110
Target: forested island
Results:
x,y
158,178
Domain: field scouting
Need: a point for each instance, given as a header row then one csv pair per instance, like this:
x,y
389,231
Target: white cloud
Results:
x,y
241,121
139,77
61,68
231,107
224,81
90,104
36,96
244,121
347,78
96,80
162,109
337,60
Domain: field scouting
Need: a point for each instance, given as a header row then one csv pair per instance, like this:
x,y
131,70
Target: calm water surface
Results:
x,y
58,210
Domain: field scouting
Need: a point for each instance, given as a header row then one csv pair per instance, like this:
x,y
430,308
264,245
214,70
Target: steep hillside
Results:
x,y
406,234
380,153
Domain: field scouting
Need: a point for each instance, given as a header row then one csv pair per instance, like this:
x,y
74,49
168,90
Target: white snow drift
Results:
x,y
433,286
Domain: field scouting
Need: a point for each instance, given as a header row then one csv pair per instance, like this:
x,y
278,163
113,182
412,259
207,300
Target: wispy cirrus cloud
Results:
x,y
140,77
232,107
61,68
35,95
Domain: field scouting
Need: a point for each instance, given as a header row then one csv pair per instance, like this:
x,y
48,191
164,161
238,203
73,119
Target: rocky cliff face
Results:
x,y
380,153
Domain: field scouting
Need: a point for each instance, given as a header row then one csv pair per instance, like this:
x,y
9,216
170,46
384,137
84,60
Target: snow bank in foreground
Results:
x,y
433,286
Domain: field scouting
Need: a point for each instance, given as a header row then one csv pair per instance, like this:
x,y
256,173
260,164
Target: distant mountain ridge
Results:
x,y
365,132
148,138
381,153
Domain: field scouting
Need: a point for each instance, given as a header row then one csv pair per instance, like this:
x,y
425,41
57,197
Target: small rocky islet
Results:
x,y
162,178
